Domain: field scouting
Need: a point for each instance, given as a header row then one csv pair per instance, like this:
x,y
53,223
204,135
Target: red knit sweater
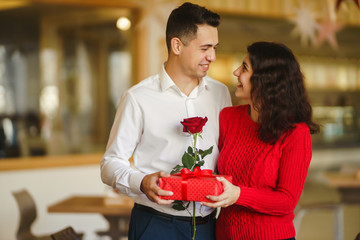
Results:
x,y
271,178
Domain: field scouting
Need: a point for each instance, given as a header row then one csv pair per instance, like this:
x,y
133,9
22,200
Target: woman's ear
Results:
x,y
176,46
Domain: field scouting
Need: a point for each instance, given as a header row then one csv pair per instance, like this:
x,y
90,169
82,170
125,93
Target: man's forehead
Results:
x,y
206,35
206,42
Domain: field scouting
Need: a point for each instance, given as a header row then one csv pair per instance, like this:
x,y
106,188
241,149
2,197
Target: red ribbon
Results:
x,y
186,173
197,173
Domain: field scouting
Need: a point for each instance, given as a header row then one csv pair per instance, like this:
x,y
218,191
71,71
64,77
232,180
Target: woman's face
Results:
x,y
243,74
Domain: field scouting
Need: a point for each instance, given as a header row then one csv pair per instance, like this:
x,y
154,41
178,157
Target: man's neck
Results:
x,y
183,82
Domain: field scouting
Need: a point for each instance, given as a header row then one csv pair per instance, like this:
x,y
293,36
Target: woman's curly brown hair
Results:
x,y
278,91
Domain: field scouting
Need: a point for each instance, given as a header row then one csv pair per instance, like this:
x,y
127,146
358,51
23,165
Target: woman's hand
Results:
x,y
228,197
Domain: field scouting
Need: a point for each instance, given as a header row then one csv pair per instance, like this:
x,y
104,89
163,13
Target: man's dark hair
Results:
x,y
183,22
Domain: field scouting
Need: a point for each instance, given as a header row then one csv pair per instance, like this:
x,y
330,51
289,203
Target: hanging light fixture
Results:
x,y
123,23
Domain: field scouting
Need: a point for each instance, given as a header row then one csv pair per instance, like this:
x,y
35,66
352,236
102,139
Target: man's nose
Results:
x,y
211,55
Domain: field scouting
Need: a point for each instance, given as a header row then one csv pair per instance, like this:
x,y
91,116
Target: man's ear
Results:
x,y
176,46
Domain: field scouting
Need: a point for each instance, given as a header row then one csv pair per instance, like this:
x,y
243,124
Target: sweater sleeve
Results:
x,y
222,127
293,167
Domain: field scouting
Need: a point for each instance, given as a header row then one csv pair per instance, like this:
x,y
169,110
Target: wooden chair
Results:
x,y
28,214
357,236
66,234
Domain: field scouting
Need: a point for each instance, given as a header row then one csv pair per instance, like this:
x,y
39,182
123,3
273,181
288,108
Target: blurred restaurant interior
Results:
x,y
64,65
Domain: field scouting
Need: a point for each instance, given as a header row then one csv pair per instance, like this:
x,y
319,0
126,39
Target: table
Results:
x,y
116,213
347,184
49,161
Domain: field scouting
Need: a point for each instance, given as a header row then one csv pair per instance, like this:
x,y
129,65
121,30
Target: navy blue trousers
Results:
x,y
147,226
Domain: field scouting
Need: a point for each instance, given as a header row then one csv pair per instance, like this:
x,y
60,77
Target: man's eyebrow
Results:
x,y
210,45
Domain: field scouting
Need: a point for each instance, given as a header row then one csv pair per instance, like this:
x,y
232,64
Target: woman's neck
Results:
x,y
253,114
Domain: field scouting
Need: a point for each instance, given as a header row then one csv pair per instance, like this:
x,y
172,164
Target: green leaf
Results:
x,y
188,161
176,169
206,152
190,150
200,163
179,205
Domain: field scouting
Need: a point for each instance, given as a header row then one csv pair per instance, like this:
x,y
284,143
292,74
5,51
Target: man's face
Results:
x,y
198,53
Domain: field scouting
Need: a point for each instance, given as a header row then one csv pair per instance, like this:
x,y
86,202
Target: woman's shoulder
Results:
x,y
300,130
238,109
234,112
301,127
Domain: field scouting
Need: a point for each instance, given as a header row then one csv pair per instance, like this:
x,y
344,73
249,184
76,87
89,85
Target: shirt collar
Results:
x,y
166,82
203,85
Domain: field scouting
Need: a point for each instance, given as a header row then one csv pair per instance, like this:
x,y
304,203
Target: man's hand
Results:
x,y
228,197
149,186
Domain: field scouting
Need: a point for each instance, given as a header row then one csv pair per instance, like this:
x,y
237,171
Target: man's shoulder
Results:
x,y
146,84
218,88
213,82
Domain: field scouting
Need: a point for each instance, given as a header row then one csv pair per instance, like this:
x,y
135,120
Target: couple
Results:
x,y
265,145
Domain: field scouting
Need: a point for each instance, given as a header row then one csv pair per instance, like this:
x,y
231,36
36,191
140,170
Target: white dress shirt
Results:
x,y
147,126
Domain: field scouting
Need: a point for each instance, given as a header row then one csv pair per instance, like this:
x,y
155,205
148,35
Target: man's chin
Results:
x,y
203,74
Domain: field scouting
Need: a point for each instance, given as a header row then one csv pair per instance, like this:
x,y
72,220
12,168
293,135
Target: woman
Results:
x,y
265,146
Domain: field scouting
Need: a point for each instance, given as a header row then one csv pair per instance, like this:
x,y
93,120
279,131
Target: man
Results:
x,y
147,127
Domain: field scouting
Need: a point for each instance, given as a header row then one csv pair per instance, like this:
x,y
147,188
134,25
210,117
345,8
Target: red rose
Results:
x,y
194,124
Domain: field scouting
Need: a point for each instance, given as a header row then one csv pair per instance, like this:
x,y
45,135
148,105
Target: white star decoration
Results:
x,y
338,3
327,31
305,25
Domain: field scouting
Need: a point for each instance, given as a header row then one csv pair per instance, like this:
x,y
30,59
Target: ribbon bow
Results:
x,y
186,173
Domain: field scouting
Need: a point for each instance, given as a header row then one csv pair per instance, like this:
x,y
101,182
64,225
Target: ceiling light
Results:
x,y
123,23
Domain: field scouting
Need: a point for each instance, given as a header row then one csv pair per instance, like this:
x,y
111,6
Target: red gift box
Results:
x,y
192,186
